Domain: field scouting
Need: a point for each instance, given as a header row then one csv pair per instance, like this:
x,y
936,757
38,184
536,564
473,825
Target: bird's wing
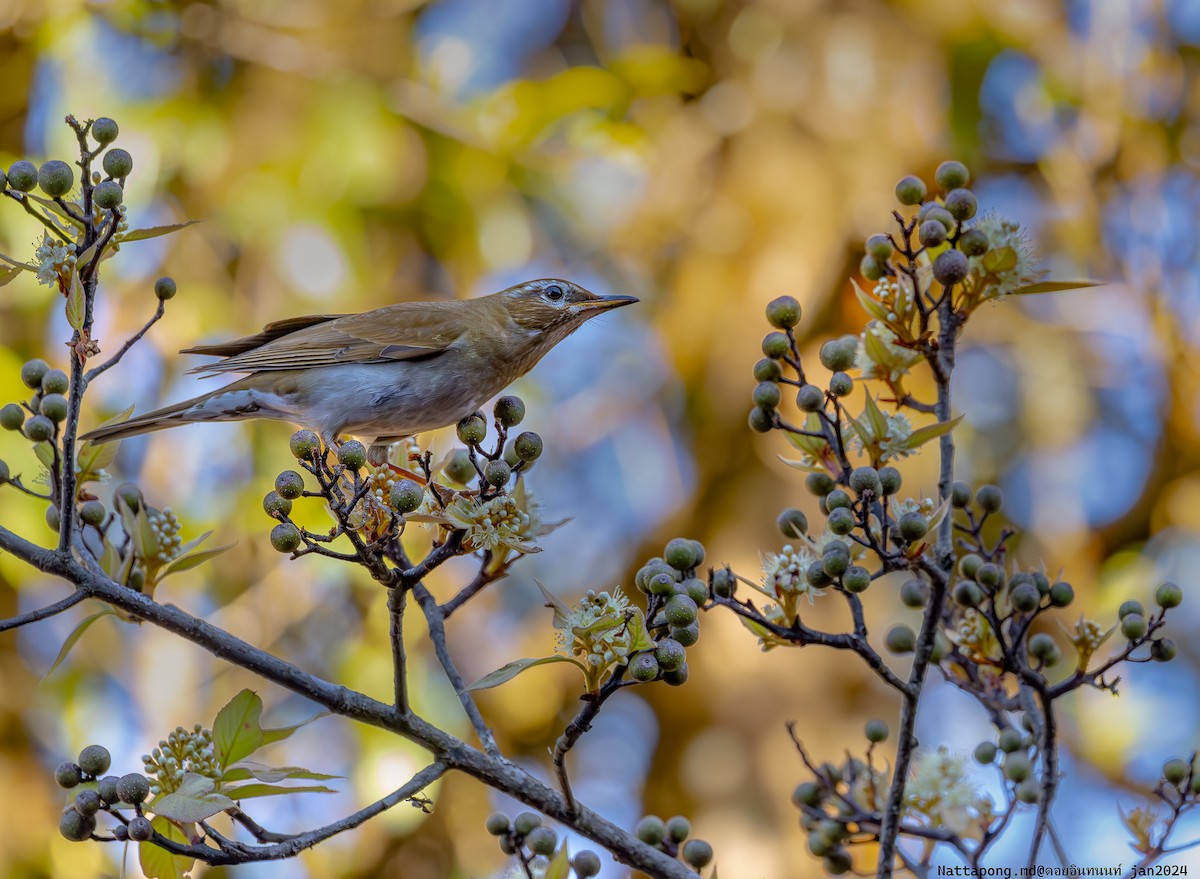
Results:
x,y
405,331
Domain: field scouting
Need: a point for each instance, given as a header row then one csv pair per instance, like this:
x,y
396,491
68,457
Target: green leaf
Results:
x,y
145,542
75,302
19,266
158,863
194,800
248,769
93,457
560,867
514,668
7,274
45,453
800,465
636,624
248,791
922,435
74,637
876,419
155,231
195,559
54,209
561,611
999,260
1054,287
110,560
270,736
870,305
237,732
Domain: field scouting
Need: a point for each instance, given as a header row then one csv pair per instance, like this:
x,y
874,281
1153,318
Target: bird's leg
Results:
x,y
377,454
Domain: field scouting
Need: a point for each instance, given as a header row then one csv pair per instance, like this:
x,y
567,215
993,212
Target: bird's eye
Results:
x,y
554,292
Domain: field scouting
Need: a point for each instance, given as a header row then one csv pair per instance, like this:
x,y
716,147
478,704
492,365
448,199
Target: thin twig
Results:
x,y
129,343
42,613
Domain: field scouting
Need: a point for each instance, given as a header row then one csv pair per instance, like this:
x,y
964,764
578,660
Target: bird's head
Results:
x,y
555,307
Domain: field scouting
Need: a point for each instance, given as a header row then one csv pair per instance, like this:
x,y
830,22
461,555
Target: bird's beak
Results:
x,y
603,303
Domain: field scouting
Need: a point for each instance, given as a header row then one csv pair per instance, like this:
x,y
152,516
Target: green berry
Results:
x,y
961,203
681,554
472,430
107,788
406,496
837,355
92,513
880,247
526,822
974,242
870,268
951,175
87,802
989,498
776,345
910,190
528,446
1176,771
940,215
140,829
960,494
68,774
900,639
22,175
305,445
890,480
1134,626
766,395
967,594
792,522
856,579
285,537
497,824
680,610
950,268
108,195
840,384
117,163
129,495
1163,650
497,473
835,563
542,841
818,845
866,479
912,526
290,484
837,861
164,288
841,521
33,372
1017,766
55,381
39,428
458,467
56,178
676,678
810,398
1042,646
662,583
75,826
669,654
509,411
1168,595
914,593
651,830
985,753
686,635
767,370
94,760
1029,791
1061,594
133,788
876,731
817,576
1009,740
783,312
678,829
697,853
1025,597
724,583
989,575
105,130
970,564
53,518
820,483
837,500
12,416
54,407
931,233
643,667
586,864
761,420
695,589
1129,607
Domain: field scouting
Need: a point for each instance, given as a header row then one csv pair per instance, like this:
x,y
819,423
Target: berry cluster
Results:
x,y
534,844
94,792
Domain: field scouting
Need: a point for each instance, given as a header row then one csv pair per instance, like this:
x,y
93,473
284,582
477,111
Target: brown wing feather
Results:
x,y
408,330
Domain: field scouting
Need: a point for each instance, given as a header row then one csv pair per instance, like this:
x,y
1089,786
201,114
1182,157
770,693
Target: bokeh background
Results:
x,y
705,156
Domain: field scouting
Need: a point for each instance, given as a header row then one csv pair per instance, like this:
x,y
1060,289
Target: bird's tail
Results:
x,y
230,403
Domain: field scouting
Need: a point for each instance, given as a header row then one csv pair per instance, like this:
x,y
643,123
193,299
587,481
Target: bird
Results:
x,y
383,375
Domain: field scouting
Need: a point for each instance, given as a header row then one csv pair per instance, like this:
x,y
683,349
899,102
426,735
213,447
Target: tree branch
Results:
x,y
42,613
